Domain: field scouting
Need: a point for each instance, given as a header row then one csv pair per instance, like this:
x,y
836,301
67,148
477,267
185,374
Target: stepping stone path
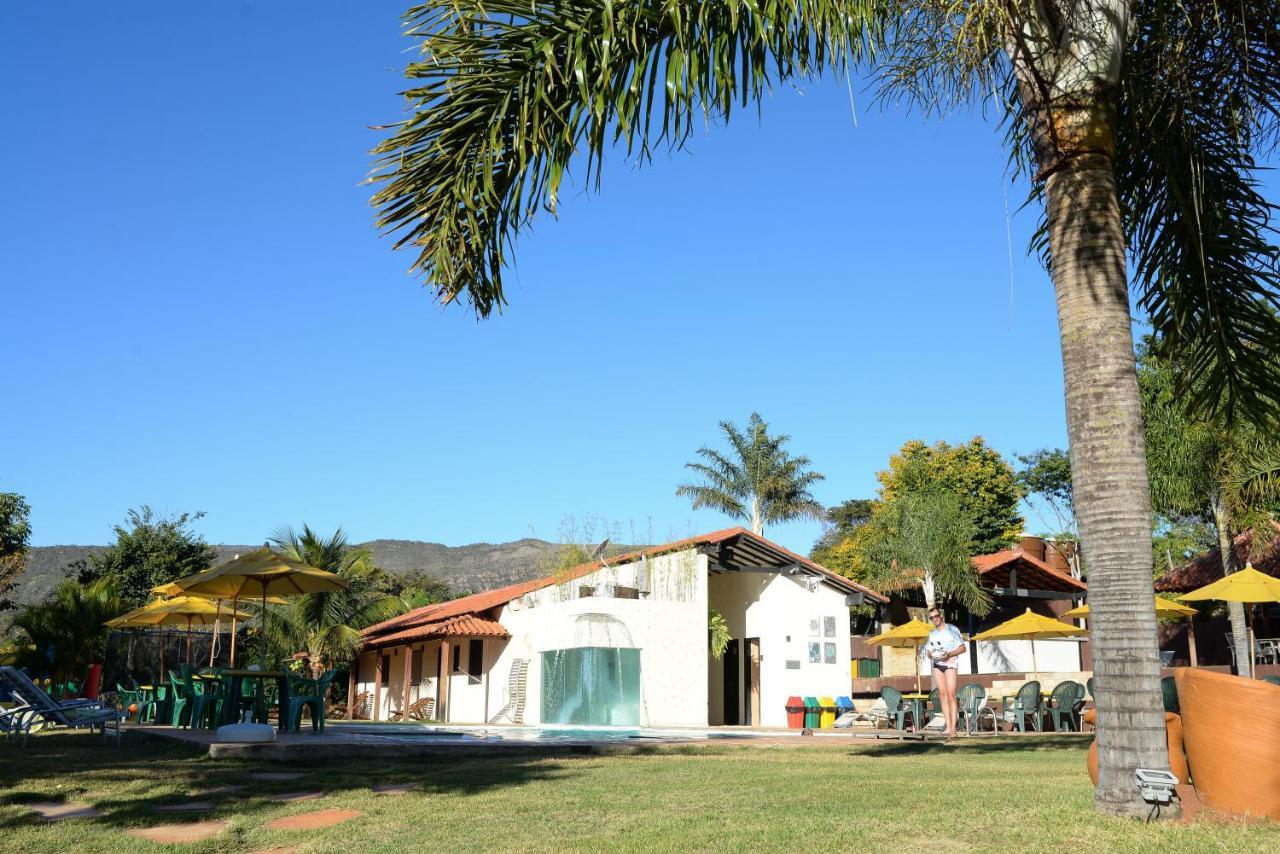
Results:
x,y
313,820
176,834
62,812
290,797
277,776
189,806
393,788
222,790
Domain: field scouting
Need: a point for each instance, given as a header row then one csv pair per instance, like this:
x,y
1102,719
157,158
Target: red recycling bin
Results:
x,y
795,713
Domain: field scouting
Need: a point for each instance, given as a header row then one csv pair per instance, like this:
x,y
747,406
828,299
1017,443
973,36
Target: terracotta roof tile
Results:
x,y
480,603
1207,568
1041,572
466,626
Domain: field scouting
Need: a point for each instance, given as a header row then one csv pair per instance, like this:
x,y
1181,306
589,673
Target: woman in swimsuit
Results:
x,y
944,645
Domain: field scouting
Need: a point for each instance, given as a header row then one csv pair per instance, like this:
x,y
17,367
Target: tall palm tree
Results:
x,y
757,481
1138,120
327,625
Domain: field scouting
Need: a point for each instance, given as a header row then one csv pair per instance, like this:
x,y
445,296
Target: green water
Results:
x,y
591,686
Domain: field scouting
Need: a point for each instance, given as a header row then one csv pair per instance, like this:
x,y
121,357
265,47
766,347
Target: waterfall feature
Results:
x,y
596,682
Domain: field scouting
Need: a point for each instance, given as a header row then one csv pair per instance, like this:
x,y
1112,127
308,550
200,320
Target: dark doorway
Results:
x,y
751,671
732,668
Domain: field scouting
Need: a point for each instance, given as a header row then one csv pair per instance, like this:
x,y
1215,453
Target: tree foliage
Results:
x,y
150,550
756,481
64,634
975,473
327,625
925,538
840,548
15,537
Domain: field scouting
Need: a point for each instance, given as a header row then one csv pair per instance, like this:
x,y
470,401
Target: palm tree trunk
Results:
x,y
1240,639
757,520
1109,471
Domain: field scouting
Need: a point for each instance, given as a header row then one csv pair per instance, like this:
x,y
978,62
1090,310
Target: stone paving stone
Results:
x,y
313,820
290,797
176,834
393,788
287,849
276,776
221,790
188,806
62,812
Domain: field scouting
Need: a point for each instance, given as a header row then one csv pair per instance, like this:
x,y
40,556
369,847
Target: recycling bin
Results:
x,y
795,713
812,713
827,715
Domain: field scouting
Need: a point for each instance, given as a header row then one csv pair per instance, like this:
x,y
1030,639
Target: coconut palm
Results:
x,y
327,625
1138,121
757,481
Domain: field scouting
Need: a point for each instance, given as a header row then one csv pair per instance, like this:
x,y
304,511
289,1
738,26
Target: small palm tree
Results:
x,y
327,625
757,481
64,634
923,538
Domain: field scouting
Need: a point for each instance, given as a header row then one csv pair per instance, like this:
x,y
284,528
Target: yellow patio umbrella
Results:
x,y
263,572
1166,609
910,634
192,610
1030,626
172,589
1249,586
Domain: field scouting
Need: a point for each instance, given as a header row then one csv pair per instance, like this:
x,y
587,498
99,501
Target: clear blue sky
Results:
x,y
199,314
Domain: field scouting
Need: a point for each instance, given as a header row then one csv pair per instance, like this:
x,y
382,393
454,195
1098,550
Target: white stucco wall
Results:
x,y
778,609
466,702
668,626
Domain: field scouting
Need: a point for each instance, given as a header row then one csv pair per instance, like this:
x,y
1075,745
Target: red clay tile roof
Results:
x,y
1207,568
994,568
466,626
480,603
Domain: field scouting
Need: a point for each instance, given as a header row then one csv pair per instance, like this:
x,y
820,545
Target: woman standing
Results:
x,y
944,645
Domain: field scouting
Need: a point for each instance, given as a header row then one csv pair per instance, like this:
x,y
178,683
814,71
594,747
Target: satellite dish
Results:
x,y
598,552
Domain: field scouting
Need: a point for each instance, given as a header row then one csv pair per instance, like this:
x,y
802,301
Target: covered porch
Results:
x,y
438,671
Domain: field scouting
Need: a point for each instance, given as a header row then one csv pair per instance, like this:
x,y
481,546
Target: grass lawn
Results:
x,y
1025,794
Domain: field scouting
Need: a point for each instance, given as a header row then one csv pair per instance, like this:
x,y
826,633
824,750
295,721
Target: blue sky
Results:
x,y
200,314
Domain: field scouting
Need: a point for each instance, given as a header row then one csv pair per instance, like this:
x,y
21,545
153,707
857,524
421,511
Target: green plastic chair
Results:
x,y
895,708
1027,704
309,694
199,703
1169,689
1088,683
180,704
972,700
1274,680
933,705
1064,706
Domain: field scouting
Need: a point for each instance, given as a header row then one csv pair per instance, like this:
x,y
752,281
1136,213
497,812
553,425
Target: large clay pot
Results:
x,y
1232,734
92,682
1173,732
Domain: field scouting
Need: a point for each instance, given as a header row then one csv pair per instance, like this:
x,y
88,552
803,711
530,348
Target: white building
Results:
x,y
624,642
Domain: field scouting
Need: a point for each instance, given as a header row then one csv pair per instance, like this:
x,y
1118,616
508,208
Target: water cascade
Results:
x,y
596,682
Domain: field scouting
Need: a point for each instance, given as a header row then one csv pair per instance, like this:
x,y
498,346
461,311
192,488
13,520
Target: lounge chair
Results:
x,y
1169,691
846,714
1027,704
1274,680
423,710
39,706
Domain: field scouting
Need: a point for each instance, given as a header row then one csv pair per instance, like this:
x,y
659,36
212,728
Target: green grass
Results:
x,y
1026,794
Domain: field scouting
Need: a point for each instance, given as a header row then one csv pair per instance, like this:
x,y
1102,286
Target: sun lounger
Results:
x,y
41,707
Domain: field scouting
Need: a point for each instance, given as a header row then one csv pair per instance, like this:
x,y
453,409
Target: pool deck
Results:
x,y
342,740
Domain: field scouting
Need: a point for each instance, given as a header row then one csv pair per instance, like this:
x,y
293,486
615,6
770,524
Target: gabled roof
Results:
x,y
1033,573
490,600
465,626
1207,568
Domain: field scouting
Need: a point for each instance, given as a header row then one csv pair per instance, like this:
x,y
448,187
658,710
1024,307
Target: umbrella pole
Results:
x,y
1249,639
1191,640
188,640
264,624
235,604
162,653
213,641
1035,669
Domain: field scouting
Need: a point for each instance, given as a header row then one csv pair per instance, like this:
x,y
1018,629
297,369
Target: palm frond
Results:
x,y
507,92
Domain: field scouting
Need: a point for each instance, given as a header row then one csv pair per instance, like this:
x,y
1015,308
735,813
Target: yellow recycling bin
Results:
x,y
828,717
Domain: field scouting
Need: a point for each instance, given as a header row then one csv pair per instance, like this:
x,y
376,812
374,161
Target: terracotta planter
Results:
x,y
1232,735
92,682
1173,732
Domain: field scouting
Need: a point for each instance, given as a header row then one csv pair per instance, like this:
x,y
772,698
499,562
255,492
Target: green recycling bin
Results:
x,y
812,712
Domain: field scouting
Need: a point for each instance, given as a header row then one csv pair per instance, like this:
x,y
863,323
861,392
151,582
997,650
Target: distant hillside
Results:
x,y
479,566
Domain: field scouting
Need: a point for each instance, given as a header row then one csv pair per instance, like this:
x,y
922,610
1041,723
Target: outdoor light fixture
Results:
x,y
1155,787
